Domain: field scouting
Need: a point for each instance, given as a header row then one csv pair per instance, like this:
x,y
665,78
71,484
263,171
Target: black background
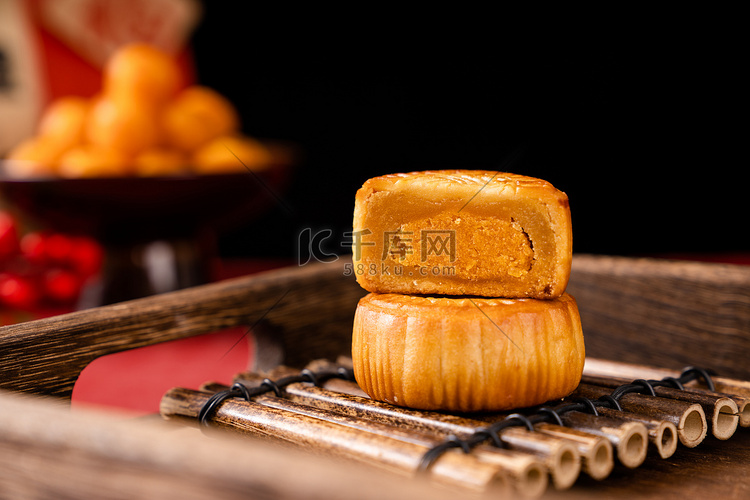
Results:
x,y
644,136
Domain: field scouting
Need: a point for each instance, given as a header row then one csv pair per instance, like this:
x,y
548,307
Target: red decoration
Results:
x,y
41,269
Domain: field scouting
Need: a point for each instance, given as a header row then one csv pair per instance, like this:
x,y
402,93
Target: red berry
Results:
x,y
86,257
58,247
62,285
8,235
33,247
17,292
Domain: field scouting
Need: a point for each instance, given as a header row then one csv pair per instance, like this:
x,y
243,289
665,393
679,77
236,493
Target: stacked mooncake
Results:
x,y
467,272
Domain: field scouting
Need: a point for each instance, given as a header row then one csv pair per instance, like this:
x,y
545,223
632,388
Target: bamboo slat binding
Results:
x,y
527,446
455,469
596,452
687,417
737,390
560,455
721,411
557,455
525,474
628,438
559,452
662,435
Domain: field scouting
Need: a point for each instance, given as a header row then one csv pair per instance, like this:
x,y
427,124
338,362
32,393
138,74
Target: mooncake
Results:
x,y
462,232
467,354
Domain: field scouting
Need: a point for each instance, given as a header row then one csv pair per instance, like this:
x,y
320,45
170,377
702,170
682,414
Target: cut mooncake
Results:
x,y
462,232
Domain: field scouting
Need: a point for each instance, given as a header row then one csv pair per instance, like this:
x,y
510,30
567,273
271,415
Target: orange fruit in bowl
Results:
x,y
230,154
160,161
197,115
142,72
127,125
64,121
35,157
93,161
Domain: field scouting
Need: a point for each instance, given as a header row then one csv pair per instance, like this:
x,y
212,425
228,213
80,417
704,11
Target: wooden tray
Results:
x,y
668,314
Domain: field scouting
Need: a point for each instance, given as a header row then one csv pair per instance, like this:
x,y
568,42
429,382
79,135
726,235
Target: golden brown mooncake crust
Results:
x,y
467,354
462,232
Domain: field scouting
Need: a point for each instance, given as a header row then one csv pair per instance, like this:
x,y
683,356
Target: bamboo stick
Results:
x,y
526,475
689,418
629,439
336,384
344,387
721,411
596,452
560,456
453,468
212,386
662,435
737,390
742,402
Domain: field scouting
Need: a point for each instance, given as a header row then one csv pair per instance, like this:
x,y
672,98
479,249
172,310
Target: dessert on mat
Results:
x,y
467,272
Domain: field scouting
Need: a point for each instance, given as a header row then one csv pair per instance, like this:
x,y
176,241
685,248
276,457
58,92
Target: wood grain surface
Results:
x,y
310,308
664,313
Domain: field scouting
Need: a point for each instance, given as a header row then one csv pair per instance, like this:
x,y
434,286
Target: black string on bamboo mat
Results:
x,y
482,434
582,404
239,390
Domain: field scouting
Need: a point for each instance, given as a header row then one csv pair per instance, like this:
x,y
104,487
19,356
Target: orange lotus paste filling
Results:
x,y
483,245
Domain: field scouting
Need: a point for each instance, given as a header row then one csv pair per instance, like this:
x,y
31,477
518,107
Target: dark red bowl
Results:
x,y
127,214
146,208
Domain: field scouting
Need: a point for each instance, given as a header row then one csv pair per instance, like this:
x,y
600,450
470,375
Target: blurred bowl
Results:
x,y
144,208
128,214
